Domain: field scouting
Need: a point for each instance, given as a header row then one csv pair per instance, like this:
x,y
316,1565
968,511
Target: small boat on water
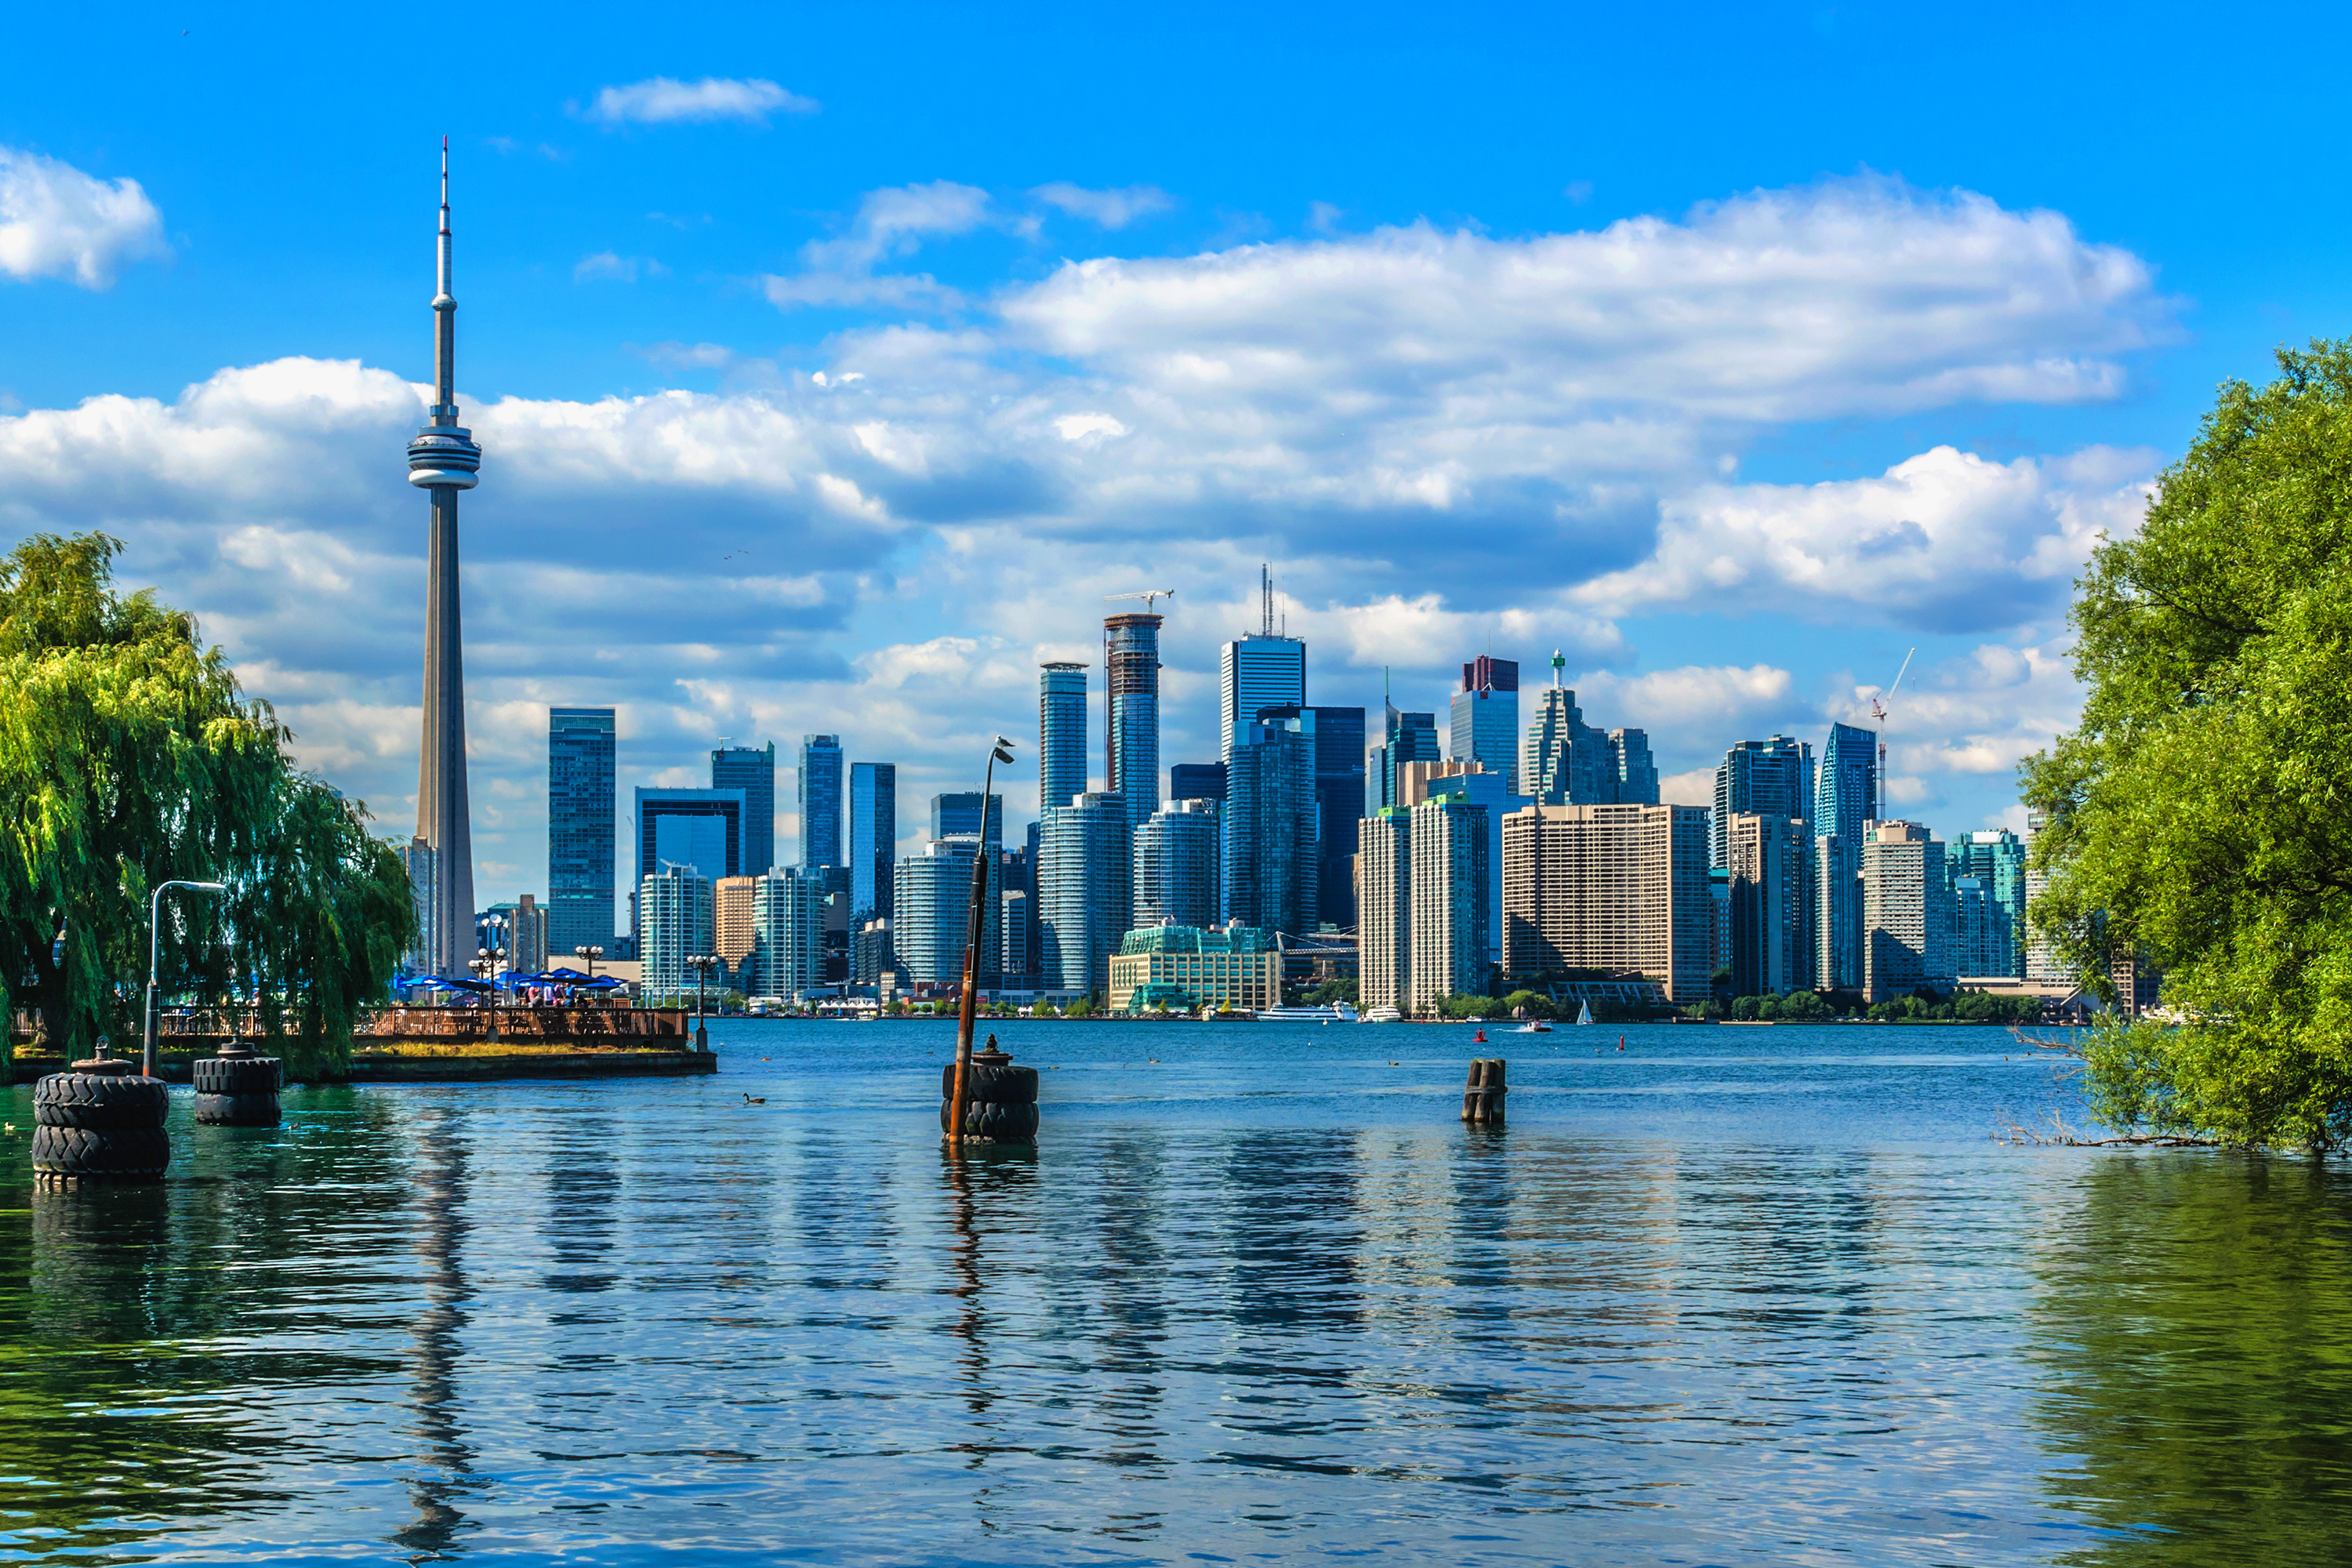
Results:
x,y
1334,1012
1533,1026
1584,1012
1379,1016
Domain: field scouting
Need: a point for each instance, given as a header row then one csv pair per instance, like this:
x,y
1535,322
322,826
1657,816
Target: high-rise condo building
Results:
x,y
583,804
1131,711
1338,806
1176,866
1907,915
2042,962
732,934
1774,778
1014,925
957,814
674,916
698,827
1061,734
873,840
1406,738
819,788
1770,898
1261,669
934,911
418,859
1419,781
753,770
1384,918
1619,888
1982,942
1452,954
1845,800
1486,718
787,957
1084,870
527,941
1997,858
1273,872
1199,781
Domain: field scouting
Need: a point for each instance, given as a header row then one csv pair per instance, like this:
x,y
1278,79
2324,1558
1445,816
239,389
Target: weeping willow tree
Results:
x,y
130,757
2202,812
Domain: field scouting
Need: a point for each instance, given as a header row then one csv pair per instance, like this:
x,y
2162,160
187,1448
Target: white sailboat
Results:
x,y
1584,1012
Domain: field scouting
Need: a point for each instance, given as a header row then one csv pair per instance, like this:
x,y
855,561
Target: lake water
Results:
x,y
1729,1296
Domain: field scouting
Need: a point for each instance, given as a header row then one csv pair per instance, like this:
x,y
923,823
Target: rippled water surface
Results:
x,y
1768,1295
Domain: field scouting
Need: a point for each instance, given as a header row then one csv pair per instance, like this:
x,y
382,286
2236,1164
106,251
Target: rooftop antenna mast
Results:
x,y
1265,598
1878,712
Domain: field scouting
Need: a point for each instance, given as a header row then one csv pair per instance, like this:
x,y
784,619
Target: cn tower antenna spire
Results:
x,y
443,460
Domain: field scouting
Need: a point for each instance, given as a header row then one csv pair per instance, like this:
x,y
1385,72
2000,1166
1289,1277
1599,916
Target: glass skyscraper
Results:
x,y
820,800
873,839
1273,875
1408,738
1085,873
1176,866
1771,778
1131,711
1338,806
583,806
698,827
1486,717
751,770
956,814
1258,671
1845,796
1996,859
1061,734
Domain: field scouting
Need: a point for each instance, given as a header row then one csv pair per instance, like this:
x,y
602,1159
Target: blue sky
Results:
x,y
828,387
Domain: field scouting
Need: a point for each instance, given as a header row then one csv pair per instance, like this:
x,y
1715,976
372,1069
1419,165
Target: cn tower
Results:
x,y
443,460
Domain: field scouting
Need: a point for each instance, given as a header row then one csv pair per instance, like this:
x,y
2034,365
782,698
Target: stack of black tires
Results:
x,y
100,1122
999,1099
237,1089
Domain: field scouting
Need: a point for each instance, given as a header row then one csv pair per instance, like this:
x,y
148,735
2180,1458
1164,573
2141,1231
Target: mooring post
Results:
x,y
968,1009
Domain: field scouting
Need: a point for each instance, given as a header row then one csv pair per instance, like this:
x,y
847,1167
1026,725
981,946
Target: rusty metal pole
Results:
x,y
974,925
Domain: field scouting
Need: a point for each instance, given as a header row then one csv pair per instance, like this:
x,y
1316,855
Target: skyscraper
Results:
x,y
956,814
1406,738
443,460
1773,778
820,800
1451,953
423,954
1061,734
1621,888
1259,670
1176,866
674,917
1845,798
1907,914
583,806
1982,942
934,904
698,827
1273,875
751,770
1338,806
1084,873
1385,919
1419,781
1486,719
733,935
787,932
1567,760
1131,711
1199,781
2043,960
1996,859
873,838
1632,773
1771,906
960,817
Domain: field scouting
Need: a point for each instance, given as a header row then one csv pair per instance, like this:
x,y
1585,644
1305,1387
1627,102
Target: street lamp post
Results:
x,y
592,955
1000,752
702,964
154,947
486,965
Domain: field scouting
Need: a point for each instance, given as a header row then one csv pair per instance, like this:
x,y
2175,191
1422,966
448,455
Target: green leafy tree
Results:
x,y
1537,1004
130,757
2199,815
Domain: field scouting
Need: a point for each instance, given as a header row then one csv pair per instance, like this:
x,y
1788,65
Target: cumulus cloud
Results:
x,y
890,224
58,221
662,100
606,264
1108,209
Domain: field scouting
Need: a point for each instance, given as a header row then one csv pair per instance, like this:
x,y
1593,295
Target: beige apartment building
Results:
x,y
1609,890
734,930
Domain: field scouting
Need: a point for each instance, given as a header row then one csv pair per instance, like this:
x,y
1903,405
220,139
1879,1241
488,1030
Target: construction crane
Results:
x,y
1878,712
1150,596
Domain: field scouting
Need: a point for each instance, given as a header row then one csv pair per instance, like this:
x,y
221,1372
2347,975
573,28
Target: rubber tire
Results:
x,y
237,1110
237,1075
996,1120
134,1153
1006,1084
98,1101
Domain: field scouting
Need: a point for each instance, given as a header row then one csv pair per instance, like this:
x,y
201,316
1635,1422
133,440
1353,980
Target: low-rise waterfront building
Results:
x,y
1175,968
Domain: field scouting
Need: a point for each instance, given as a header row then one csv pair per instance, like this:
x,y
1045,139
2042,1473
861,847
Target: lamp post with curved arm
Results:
x,y
154,947
1002,752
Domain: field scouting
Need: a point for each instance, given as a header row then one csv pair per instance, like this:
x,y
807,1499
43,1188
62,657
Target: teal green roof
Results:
x,y
1193,938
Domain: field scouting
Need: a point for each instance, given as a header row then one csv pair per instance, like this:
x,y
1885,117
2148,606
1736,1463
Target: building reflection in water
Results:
x,y
444,1475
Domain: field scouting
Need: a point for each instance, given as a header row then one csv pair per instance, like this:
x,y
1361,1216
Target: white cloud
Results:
x,y
660,100
605,264
1108,209
890,223
1717,699
58,221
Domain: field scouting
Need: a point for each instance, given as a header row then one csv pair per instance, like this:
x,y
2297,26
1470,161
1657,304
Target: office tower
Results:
x,y
1906,919
1131,711
871,953
1773,778
698,827
674,916
1384,917
1175,871
1338,806
1718,888
1084,872
819,788
1258,670
423,954
1486,718
1198,780
1845,799
1061,734
583,803
527,946
1981,940
1377,778
2042,962
838,919
1272,871
1451,951
1033,884
1621,888
753,770
787,919
1416,782
1407,738
442,460
1568,761
957,814
732,932
873,839
1013,928
1770,896
1632,774
1419,781
933,900
1019,875
1997,858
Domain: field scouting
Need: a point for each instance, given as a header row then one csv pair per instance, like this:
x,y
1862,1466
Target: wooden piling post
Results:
x,y
1482,1096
